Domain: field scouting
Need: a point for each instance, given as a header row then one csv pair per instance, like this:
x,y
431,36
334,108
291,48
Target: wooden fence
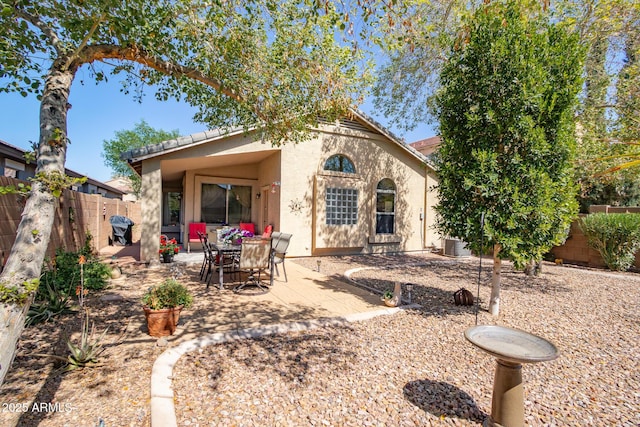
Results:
x,y
77,214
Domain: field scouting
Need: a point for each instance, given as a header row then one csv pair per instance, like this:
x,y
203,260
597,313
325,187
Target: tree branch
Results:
x,y
36,22
93,53
86,39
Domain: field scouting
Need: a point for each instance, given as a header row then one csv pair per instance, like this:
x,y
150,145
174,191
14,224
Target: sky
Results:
x,y
99,111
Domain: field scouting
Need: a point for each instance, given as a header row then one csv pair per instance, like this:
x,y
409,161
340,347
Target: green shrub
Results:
x,y
64,272
615,236
168,294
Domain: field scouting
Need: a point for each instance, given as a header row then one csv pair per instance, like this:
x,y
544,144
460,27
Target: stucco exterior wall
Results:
x,y
432,237
269,171
151,197
303,205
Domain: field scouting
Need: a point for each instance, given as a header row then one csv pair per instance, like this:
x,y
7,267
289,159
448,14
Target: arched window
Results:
x,y
339,163
385,207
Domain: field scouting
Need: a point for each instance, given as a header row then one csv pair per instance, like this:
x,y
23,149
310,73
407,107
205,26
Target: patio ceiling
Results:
x,y
174,169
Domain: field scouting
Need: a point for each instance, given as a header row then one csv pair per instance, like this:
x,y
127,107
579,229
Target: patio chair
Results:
x,y
204,241
266,234
280,251
255,258
215,262
194,228
248,226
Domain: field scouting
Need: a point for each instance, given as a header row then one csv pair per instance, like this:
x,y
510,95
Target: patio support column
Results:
x,y
151,208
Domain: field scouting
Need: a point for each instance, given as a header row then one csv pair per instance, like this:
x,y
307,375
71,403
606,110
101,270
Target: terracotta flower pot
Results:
x,y
176,313
160,322
390,302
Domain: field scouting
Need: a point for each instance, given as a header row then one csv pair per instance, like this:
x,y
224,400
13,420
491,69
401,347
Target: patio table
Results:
x,y
224,249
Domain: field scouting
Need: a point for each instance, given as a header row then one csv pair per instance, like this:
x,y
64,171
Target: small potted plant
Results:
x,y
168,248
162,305
392,299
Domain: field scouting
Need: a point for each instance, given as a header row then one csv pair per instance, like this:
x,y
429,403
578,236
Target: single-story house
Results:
x,y
353,187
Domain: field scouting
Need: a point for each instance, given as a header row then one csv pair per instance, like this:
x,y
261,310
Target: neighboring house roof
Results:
x,y
137,155
14,153
121,183
427,146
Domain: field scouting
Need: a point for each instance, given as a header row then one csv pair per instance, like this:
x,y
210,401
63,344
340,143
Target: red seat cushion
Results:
x,y
248,226
267,231
194,227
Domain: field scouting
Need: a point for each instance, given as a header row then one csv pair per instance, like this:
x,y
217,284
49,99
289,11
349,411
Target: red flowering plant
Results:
x,y
169,246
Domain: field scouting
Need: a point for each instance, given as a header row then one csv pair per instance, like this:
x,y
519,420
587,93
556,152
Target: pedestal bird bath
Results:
x,y
511,348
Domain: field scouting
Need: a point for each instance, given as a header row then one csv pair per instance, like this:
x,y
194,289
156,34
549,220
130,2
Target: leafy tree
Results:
x,y
273,63
142,134
416,54
608,126
609,109
505,109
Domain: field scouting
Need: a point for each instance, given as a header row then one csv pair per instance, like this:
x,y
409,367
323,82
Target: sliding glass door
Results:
x,y
225,203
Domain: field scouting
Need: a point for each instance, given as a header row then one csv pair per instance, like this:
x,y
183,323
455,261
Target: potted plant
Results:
x,y
168,248
392,299
234,236
162,305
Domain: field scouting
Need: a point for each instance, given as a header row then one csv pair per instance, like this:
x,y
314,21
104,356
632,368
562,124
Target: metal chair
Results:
x,y
204,241
195,228
280,251
255,258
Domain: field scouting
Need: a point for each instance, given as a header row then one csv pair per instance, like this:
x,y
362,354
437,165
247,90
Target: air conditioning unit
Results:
x,y
456,248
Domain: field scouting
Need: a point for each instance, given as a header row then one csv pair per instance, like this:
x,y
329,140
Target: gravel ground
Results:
x,y
410,368
416,368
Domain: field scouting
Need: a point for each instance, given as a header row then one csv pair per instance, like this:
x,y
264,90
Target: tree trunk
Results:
x,y
494,301
34,231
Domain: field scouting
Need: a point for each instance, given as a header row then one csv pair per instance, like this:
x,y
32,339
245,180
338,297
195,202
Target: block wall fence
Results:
x,y
576,251
77,214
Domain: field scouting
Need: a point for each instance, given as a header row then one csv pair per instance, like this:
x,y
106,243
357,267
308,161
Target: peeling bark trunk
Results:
x,y
34,231
494,301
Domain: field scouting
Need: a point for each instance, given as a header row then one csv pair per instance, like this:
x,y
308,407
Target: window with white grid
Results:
x,y
342,206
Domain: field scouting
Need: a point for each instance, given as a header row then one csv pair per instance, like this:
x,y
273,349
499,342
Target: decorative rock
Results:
x,y
111,297
116,273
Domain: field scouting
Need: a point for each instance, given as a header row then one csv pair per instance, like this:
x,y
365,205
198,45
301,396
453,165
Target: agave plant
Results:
x,y
50,303
86,353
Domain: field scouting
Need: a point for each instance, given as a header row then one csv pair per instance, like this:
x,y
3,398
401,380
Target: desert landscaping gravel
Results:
x,y
406,369
416,368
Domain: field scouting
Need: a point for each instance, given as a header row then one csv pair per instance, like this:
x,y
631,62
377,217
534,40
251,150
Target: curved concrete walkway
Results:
x,y
326,302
